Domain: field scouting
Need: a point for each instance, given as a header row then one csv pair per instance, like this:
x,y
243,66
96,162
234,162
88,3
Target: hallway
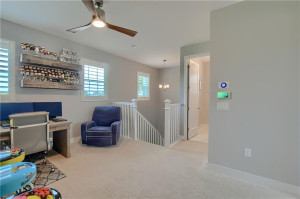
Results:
x,y
202,134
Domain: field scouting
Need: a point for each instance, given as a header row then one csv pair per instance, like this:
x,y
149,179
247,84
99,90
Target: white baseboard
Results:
x,y
75,139
258,180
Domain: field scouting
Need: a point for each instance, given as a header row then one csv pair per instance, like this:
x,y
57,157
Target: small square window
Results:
x,y
143,86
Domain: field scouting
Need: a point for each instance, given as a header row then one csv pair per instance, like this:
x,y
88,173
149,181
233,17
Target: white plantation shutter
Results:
x,y
6,70
94,80
143,86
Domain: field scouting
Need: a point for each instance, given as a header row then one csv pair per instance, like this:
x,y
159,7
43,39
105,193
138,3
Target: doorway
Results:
x,y
198,69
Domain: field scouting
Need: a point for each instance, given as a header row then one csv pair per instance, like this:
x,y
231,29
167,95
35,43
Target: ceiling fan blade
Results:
x,y
80,28
131,33
89,4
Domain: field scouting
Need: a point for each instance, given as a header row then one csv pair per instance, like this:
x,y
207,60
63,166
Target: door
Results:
x,y
193,99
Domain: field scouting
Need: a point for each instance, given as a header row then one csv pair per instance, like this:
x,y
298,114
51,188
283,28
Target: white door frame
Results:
x,y
185,90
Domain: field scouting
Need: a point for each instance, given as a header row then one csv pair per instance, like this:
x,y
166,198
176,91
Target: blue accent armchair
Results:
x,y
104,129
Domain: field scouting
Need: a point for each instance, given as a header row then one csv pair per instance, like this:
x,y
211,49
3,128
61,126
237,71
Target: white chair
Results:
x,y
30,131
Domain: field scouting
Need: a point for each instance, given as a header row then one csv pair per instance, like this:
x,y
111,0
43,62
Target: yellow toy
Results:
x,y
11,156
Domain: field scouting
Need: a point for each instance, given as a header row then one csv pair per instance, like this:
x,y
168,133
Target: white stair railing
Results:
x,y
172,122
147,132
134,125
127,124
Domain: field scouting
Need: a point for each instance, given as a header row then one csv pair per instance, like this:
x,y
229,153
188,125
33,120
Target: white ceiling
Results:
x,y
163,26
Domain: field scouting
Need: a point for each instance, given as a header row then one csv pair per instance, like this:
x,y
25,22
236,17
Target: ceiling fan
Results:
x,y
99,19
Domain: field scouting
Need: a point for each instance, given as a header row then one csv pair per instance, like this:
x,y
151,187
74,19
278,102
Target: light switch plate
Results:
x,y
247,152
223,106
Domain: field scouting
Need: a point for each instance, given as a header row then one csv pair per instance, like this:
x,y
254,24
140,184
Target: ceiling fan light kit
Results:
x,y
98,20
98,23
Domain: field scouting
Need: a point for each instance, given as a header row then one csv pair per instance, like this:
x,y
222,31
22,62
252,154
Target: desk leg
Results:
x,y
61,142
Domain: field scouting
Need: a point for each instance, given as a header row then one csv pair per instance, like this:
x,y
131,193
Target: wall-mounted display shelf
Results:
x,y
41,72
49,85
36,60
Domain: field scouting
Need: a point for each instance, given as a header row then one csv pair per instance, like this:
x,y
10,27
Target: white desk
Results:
x,y
61,136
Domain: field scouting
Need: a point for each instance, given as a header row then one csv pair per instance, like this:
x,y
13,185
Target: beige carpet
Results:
x,y
136,169
202,134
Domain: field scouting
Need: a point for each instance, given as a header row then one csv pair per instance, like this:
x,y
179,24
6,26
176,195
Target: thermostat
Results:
x,y
223,95
223,85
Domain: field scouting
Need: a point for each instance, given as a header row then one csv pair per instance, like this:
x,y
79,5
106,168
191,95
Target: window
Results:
x,y
94,81
143,86
7,56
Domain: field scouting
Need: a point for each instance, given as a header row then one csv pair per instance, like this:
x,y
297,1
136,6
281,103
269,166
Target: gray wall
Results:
x,y
172,77
255,47
121,85
189,50
299,91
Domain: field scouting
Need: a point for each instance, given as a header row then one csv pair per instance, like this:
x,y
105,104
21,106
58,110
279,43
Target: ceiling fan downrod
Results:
x,y
99,3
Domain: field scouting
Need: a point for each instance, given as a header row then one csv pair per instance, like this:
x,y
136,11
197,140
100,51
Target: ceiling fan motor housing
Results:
x,y
101,13
99,19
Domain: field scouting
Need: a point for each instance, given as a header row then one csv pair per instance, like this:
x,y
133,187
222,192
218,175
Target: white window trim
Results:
x,y
137,86
12,68
96,64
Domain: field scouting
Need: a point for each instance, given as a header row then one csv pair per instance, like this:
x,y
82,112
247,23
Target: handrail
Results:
x,y
148,121
147,132
143,129
126,103
134,121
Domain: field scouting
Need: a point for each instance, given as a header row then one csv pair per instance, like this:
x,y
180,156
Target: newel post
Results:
x,y
167,121
134,112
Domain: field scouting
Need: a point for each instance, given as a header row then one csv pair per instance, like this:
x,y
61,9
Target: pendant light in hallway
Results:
x,y
164,86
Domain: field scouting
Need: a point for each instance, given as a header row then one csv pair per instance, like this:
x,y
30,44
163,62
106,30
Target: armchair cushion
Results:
x,y
99,131
100,128
106,115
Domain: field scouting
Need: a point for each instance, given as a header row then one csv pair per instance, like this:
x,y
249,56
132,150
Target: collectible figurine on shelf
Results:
x,y
41,73
32,47
38,50
41,50
27,48
69,56
23,46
